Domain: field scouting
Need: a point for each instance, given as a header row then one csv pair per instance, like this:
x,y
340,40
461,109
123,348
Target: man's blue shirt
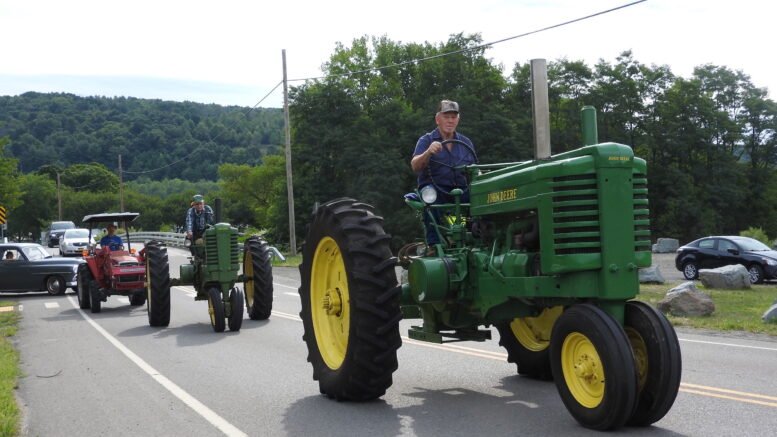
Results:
x,y
440,165
112,241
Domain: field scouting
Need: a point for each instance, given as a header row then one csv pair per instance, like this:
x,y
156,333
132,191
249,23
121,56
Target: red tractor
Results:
x,y
141,276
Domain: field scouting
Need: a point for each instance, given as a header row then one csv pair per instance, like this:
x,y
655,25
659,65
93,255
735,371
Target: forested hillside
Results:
x,y
64,129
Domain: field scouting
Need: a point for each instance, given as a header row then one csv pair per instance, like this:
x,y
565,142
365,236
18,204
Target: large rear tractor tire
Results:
x,y
84,277
216,310
350,301
527,341
257,270
593,367
236,309
658,360
158,284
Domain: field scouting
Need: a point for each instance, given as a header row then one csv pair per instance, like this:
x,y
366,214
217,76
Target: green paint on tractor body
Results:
x,y
537,234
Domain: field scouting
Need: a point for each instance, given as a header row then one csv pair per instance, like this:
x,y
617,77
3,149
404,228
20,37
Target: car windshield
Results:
x,y
35,253
751,245
77,233
62,225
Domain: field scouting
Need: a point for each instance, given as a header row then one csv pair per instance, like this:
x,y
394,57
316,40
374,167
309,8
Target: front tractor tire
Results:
x,y
257,270
157,284
84,277
216,310
527,342
350,301
593,367
658,360
236,309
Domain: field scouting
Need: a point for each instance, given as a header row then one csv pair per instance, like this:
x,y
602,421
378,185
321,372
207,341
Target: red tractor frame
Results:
x,y
141,276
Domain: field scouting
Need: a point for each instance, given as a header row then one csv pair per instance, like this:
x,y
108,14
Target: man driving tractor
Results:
x,y
197,218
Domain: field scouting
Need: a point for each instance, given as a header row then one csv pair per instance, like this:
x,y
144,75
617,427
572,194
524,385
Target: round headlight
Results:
x,y
428,194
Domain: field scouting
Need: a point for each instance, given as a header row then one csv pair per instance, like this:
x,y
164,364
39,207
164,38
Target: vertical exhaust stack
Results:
x,y
217,210
540,108
588,123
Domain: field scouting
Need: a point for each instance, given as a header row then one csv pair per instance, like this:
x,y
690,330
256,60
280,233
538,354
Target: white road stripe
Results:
x,y
292,294
729,344
285,286
50,305
198,407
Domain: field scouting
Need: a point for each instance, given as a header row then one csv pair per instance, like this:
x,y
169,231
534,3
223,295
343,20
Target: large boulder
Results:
x,y
770,316
686,300
666,245
733,277
651,275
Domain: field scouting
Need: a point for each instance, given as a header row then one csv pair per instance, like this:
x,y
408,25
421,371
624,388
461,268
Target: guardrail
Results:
x,y
177,240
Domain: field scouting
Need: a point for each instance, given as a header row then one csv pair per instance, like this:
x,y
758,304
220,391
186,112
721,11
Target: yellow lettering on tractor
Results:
x,y
619,158
502,196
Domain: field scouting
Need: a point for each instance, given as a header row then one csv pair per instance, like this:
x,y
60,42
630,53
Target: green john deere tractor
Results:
x,y
547,251
213,270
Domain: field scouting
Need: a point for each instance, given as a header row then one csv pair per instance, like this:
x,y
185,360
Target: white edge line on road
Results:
x,y
285,286
200,408
729,344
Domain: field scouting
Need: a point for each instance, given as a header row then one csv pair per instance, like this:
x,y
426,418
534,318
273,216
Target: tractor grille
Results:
x,y
129,278
212,248
641,213
575,215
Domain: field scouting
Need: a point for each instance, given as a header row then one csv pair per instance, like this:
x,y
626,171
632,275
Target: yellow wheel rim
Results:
x,y
211,311
582,368
248,273
534,332
330,302
640,355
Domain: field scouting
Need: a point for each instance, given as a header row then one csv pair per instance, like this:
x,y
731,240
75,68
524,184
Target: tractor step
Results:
x,y
418,333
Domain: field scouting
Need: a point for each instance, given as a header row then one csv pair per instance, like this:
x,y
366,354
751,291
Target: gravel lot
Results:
x,y
665,263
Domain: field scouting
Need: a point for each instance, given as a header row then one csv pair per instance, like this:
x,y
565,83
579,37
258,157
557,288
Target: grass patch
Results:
x,y
291,261
735,310
9,372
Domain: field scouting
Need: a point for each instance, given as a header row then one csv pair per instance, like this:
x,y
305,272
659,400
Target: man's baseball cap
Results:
x,y
448,106
197,198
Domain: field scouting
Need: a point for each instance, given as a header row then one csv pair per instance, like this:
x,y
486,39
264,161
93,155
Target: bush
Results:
x,y
757,234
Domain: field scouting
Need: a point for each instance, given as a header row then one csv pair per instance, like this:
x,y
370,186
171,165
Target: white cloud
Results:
x,y
236,45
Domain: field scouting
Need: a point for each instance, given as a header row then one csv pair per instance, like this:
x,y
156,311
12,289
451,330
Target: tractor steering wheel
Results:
x,y
454,168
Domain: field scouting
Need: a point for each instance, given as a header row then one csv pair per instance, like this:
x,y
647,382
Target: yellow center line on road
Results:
x,y
732,392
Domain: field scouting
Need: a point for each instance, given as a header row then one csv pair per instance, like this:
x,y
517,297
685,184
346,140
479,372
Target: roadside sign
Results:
x,y
2,215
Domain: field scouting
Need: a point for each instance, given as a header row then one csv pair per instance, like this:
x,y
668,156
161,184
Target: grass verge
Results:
x,y
735,310
9,372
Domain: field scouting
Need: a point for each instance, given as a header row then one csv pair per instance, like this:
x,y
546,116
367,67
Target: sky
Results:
x,y
229,52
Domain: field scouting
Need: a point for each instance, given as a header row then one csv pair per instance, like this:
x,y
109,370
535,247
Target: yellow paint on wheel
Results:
x,y
582,369
640,355
330,302
533,333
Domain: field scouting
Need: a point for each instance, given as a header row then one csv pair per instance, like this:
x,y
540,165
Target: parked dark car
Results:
x,y
56,230
713,252
29,267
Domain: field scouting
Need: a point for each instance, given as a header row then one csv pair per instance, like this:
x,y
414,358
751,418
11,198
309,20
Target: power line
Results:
x,y
468,49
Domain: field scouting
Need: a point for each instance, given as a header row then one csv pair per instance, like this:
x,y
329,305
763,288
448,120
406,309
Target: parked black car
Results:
x,y
713,252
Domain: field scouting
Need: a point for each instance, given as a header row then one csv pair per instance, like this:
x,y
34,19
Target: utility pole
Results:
x,y
289,184
121,188
59,198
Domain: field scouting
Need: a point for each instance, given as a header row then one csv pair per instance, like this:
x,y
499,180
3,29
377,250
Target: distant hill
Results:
x,y
157,139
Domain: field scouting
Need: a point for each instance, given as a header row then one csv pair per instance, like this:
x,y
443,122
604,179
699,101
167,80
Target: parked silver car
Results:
x,y
74,241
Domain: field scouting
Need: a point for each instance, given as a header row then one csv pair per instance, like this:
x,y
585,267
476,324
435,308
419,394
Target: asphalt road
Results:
x,y
111,374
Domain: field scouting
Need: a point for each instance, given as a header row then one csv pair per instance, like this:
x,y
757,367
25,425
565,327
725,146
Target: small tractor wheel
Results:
x,y
216,309
55,285
95,297
527,341
237,309
658,360
158,288
137,299
593,367
257,270
350,301
83,277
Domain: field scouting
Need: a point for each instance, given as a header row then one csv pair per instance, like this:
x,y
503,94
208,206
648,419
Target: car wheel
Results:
x,y
55,285
756,274
690,270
